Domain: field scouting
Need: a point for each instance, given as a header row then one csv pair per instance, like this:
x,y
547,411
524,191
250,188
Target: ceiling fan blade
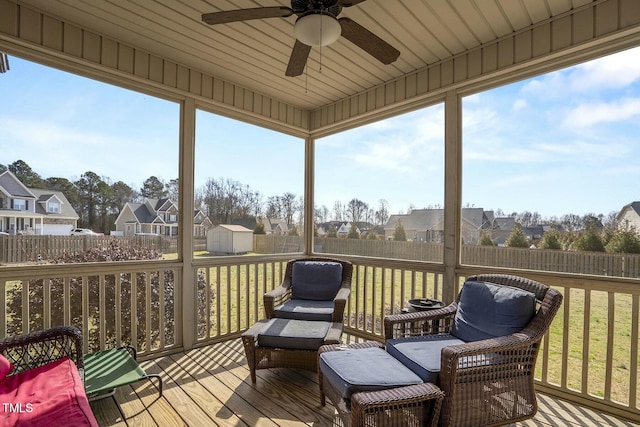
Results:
x,y
349,3
246,14
367,41
298,59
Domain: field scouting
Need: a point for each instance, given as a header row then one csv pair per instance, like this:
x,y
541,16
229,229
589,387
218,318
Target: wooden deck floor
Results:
x,y
210,386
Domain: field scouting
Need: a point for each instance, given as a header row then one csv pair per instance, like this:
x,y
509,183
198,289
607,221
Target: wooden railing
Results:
x,y
26,248
111,303
593,263
590,354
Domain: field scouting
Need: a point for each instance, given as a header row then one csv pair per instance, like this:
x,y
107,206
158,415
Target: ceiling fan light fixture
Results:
x,y
317,29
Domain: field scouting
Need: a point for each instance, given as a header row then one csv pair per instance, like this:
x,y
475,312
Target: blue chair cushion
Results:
x,y
303,309
366,369
487,310
295,334
421,354
315,280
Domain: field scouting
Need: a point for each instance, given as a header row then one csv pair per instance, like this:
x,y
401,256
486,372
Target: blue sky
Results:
x,y
564,142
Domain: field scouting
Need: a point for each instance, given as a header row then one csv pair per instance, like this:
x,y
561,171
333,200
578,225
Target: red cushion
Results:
x,y
47,395
5,367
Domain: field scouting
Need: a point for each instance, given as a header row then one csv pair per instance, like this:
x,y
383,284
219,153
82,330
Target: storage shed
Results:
x,y
229,239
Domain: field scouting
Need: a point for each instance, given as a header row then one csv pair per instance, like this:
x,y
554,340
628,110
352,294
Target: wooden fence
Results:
x,y
21,249
596,263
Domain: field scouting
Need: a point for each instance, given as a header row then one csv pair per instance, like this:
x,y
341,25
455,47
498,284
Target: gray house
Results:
x,y
157,216
427,225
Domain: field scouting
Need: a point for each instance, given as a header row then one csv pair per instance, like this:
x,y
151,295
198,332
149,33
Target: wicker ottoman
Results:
x,y
287,343
368,387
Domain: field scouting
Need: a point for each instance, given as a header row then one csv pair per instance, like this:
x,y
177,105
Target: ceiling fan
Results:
x,y
317,25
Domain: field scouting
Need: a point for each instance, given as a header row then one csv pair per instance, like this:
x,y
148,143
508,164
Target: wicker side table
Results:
x,y
288,355
411,405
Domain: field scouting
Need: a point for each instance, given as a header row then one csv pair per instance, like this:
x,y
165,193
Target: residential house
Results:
x,y
33,211
427,225
157,216
629,216
343,228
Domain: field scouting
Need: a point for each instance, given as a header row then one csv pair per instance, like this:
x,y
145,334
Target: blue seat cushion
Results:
x,y
315,280
422,354
487,310
303,309
367,369
295,334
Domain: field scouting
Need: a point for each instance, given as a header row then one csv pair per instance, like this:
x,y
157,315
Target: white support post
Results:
x,y
185,220
309,176
452,191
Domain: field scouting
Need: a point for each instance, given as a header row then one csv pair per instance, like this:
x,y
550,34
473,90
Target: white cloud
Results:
x,y
610,72
586,115
520,104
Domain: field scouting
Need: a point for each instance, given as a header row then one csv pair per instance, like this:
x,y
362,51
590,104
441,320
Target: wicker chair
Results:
x,y
488,382
284,295
38,348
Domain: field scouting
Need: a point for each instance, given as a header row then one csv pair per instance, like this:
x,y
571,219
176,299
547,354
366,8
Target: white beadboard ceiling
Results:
x,y
254,54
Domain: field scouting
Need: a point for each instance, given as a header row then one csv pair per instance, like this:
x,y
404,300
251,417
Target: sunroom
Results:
x,y
343,103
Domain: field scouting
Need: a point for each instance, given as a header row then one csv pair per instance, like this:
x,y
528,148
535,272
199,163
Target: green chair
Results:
x,y
109,369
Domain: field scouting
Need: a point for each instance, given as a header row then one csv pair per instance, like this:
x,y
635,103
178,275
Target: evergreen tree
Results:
x,y
588,241
153,188
26,175
624,241
333,231
92,191
485,240
353,232
259,229
399,234
550,239
517,238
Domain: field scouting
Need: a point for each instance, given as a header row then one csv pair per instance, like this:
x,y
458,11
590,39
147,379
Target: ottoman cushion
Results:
x,y
295,334
367,369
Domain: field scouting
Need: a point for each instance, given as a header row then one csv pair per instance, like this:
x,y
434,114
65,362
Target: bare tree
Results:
x,y
382,214
356,210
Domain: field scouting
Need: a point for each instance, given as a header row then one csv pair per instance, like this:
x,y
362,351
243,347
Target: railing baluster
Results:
x,y
25,307
85,312
134,310
102,318
162,282
633,368
586,335
46,303
147,312
118,309
611,320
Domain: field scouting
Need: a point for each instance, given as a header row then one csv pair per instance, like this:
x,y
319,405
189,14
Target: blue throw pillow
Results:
x,y
487,310
316,280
